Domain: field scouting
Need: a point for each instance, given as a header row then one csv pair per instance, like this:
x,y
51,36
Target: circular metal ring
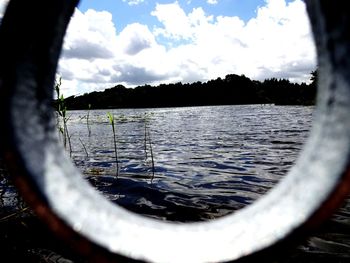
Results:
x,y
31,38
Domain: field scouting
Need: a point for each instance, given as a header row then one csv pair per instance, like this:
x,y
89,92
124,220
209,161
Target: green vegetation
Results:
x,y
145,144
86,152
62,124
150,146
148,138
87,119
111,121
231,90
62,112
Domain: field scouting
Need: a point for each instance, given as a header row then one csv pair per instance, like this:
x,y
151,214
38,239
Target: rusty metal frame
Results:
x,y
31,38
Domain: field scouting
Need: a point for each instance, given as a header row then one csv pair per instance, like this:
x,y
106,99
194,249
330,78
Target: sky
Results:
x,y
137,42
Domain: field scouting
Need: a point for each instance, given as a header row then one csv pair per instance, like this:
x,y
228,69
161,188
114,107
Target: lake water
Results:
x,y
207,161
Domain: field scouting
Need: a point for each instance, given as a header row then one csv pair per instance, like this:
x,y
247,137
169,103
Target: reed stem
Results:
x,y
86,152
67,135
145,141
87,120
151,151
111,121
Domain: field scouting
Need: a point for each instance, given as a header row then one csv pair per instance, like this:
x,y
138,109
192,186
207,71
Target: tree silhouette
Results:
x,y
231,90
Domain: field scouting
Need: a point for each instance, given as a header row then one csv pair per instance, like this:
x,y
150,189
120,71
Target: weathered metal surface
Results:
x,y
31,38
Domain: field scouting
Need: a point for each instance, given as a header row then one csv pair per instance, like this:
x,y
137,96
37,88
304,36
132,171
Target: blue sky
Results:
x,y
137,42
124,13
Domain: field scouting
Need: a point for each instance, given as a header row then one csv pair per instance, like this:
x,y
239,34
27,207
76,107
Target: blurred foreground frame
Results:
x,y
31,37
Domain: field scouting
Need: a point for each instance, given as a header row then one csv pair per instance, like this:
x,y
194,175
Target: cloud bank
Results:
x,y
187,47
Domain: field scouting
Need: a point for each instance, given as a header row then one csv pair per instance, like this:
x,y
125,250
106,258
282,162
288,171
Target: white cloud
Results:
x,y
90,35
279,40
176,22
274,43
96,57
134,2
88,51
212,2
187,47
135,38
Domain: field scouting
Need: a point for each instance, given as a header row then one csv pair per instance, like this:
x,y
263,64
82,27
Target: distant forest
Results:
x,y
231,90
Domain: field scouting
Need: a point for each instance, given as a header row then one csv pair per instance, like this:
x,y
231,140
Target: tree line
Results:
x,y
231,90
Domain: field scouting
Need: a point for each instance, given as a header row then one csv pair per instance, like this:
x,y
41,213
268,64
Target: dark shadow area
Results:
x,y
23,238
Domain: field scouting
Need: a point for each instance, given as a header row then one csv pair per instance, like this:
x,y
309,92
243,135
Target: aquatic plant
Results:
x,y
151,151
87,119
145,141
86,152
148,138
62,112
111,121
14,214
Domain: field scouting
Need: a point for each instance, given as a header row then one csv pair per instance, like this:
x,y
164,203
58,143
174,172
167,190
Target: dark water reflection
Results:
x,y
209,161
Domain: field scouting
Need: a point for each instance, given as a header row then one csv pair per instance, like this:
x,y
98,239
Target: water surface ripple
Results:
x,y
208,161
